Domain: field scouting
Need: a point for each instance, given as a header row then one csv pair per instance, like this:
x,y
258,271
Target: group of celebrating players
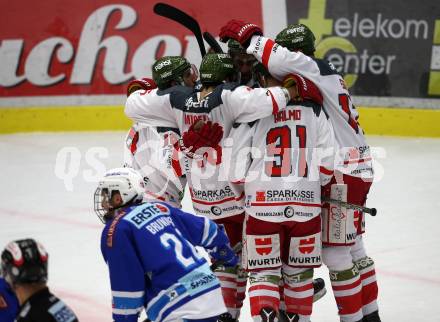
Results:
x,y
265,136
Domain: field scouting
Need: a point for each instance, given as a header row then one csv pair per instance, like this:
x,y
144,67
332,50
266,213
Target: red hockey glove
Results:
x,y
307,90
143,83
240,31
201,135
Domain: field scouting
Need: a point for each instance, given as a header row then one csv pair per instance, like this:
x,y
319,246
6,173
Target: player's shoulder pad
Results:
x,y
317,109
231,86
177,93
326,68
215,98
175,90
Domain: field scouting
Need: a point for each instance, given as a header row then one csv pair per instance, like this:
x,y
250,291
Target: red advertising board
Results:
x,y
55,47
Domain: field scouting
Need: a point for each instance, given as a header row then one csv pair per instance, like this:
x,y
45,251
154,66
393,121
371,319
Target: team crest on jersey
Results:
x,y
306,246
263,246
260,195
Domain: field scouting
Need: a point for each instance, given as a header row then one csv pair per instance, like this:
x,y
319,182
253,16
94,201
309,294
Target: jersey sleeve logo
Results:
x,y
3,304
112,228
61,312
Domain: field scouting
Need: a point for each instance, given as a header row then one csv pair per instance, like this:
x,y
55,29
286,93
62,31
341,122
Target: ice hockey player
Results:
x,y
150,252
351,270
292,157
243,63
8,302
153,150
224,103
24,267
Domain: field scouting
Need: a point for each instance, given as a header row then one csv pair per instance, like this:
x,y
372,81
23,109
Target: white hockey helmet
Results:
x,y
125,181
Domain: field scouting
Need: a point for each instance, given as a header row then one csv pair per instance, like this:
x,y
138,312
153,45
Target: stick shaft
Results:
x,y
371,211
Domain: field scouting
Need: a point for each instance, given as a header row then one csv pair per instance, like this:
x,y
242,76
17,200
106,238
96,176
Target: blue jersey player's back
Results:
x,y
149,249
8,302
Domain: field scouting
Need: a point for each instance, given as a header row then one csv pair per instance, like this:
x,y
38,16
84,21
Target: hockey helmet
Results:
x,y
234,47
170,68
24,261
297,37
125,181
215,68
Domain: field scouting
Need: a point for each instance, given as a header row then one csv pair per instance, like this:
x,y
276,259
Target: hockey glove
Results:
x,y
307,90
201,135
143,83
223,256
240,31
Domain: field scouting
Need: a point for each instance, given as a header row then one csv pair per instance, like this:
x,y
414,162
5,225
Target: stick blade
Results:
x,y
181,17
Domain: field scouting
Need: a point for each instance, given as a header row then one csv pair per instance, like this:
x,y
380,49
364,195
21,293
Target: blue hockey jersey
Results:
x,y
8,303
150,253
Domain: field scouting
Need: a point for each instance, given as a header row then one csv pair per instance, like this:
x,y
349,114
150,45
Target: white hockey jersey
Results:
x,y
210,190
353,157
152,152
292,157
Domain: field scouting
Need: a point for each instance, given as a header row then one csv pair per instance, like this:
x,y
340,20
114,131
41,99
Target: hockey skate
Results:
x,y
226,317
319,289
372,317
268,315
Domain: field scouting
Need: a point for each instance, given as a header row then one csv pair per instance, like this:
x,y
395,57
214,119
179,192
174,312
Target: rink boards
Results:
x,y
377,120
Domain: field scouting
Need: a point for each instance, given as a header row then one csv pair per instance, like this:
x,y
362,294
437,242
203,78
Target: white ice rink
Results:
x,y
403,239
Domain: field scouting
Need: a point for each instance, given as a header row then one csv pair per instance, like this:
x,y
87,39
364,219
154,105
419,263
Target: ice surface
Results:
x,y
403,239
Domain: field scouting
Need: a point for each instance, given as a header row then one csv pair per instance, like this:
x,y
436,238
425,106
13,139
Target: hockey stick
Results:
x,y
371,211
212,42
177,15
237,248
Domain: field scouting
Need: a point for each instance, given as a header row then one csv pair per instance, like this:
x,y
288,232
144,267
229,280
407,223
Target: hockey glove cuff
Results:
x,y
240,31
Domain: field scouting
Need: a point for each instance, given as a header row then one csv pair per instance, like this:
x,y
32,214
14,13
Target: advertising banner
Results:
x,y
56,47
384,48
65,65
